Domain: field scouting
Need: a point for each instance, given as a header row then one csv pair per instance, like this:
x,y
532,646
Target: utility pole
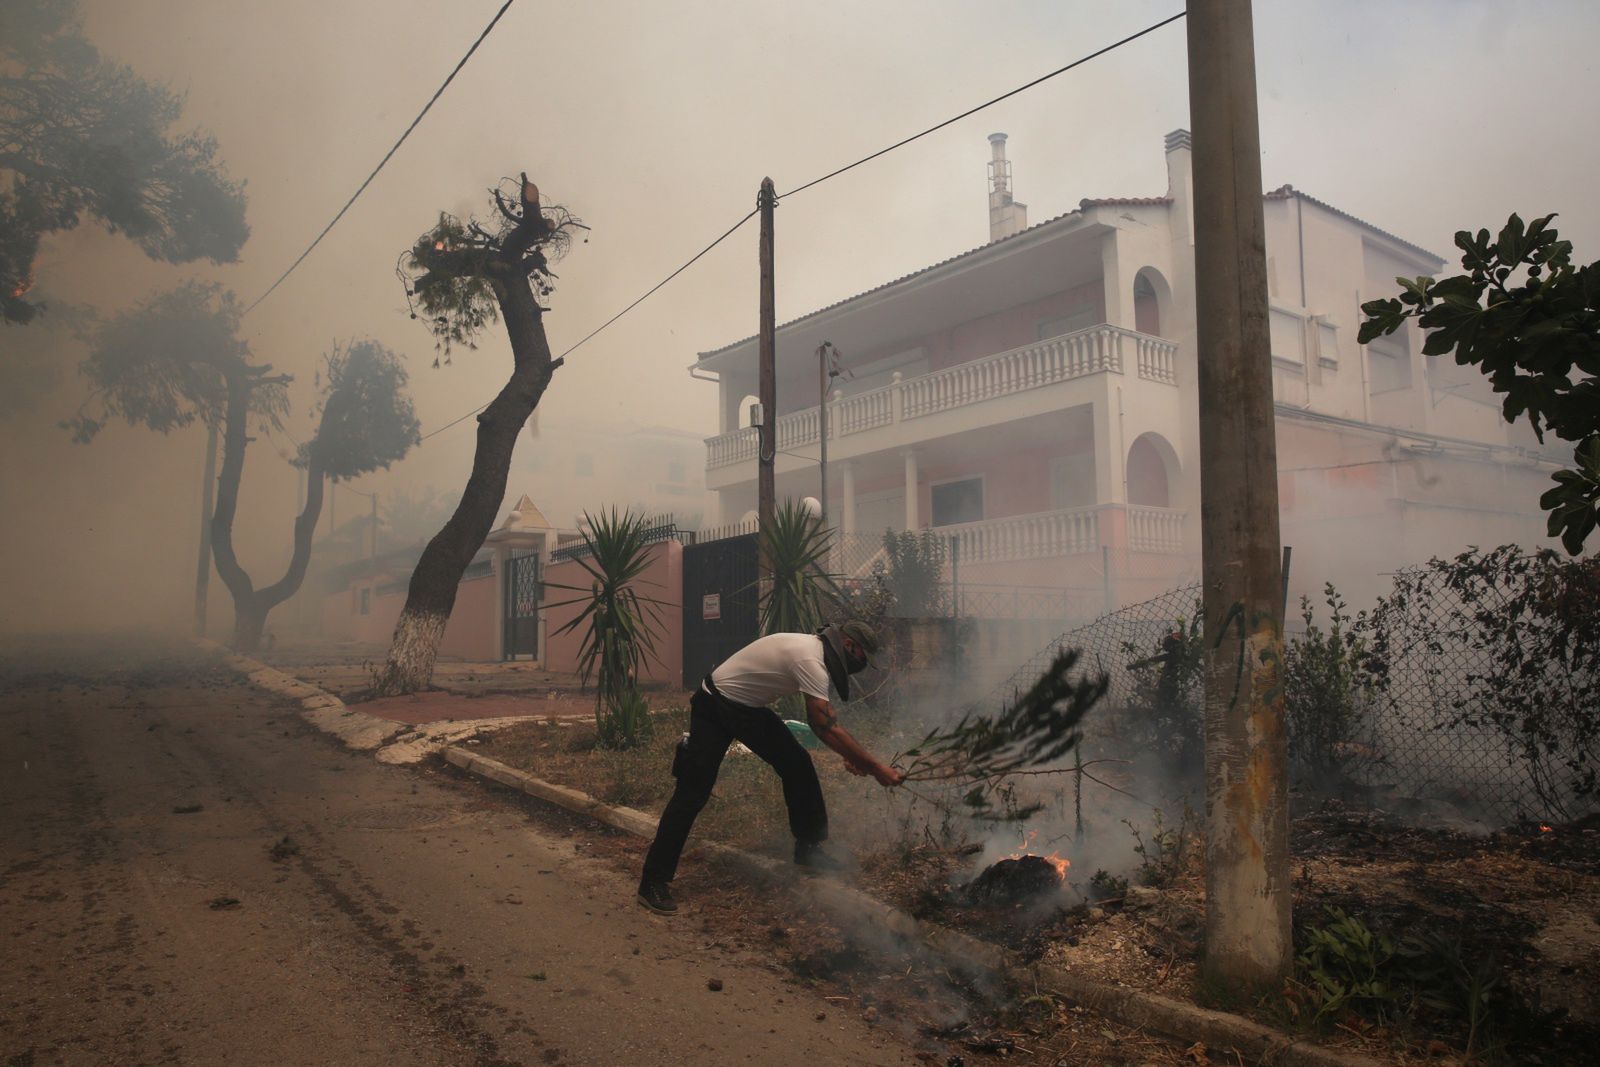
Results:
x,y
374,497
1247,928
208,489
767,443
825,377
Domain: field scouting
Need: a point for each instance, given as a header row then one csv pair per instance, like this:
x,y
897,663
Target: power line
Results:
x,y
973,111
689,263
387,156
833,174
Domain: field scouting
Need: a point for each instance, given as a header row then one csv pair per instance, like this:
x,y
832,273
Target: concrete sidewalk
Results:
x,y
462,691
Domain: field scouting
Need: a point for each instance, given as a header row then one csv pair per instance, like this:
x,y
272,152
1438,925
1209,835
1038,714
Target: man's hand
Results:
x,y
824,723
887,777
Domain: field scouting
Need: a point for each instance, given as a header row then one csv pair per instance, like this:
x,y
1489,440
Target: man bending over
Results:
x,y
732,705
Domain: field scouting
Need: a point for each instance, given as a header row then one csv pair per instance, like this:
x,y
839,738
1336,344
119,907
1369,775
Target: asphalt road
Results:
x,y
404,918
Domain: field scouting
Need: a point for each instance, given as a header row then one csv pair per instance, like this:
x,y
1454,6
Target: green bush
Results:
x,y
914,573
1327,694
1346,967
1165,712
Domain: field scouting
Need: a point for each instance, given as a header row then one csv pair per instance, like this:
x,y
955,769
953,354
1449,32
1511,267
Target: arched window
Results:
x,y
1146,306
741,414
1152,468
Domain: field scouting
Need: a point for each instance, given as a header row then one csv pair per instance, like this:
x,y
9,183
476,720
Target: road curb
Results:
x,y
392,742
851,908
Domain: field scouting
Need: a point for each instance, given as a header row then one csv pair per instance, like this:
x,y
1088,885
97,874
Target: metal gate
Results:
x,y
523,592
719,603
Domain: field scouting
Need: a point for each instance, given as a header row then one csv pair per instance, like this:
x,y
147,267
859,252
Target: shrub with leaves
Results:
x,y
913,572
1531,624
1164,713
1163,854
1346,967
1327,695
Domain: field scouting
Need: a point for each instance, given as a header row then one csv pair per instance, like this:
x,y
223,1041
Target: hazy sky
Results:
x,y
655,122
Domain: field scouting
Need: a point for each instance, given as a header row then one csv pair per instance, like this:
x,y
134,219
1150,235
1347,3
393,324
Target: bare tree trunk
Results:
x,y
432,593
235,440
251,606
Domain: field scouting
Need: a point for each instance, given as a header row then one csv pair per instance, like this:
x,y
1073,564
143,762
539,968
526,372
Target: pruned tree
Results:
x,y
84,138
178,359
1529,318
460,278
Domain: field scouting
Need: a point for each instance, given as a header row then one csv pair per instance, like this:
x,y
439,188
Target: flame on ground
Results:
x,y
1055,859
1545,828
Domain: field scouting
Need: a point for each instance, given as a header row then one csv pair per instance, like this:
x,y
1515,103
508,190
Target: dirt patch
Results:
x,y
947,1019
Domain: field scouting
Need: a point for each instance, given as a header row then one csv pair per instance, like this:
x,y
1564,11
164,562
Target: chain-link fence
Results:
x,y
1424,742
1452,722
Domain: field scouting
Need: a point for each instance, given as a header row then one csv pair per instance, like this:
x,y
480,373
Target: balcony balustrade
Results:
x,y
1056,359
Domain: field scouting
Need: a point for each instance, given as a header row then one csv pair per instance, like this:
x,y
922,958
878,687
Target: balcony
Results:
x,y
1040,535
1067,532
1098,349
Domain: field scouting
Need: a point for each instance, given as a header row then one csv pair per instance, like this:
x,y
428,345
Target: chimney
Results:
x,y
1180,182
1006,216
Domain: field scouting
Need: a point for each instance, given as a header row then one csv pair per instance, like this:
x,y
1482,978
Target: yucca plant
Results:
x,y
617,623
625,724
802,594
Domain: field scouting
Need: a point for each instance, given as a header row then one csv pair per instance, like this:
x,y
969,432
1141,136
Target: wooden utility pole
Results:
x,y
767,445
208,489
1247,931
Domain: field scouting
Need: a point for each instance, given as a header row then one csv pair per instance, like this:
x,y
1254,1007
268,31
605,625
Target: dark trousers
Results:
x,y
714,724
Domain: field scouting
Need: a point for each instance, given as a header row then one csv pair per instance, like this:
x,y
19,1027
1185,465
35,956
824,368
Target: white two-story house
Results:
x,y
1035,400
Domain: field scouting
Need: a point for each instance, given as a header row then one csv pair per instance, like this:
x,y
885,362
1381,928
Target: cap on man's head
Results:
x,y
861,634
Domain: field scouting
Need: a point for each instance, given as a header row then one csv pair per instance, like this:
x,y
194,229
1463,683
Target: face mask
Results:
x,y
855,662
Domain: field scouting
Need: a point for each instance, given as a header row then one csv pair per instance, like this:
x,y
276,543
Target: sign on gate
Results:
x,y
711,607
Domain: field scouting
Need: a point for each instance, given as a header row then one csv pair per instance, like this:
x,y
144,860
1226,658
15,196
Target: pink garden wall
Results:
x,y
662,581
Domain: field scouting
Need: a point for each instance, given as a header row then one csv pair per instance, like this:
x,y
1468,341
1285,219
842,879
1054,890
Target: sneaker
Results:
x,y
811,854
657,897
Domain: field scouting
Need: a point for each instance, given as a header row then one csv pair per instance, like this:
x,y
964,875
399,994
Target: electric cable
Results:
x,y
974,110
833,174
387,156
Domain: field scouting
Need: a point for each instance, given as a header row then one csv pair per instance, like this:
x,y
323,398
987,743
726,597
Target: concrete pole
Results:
x,y
1247,928
767,390
208,489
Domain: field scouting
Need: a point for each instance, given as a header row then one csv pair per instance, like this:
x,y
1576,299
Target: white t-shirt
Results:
x,y
771,667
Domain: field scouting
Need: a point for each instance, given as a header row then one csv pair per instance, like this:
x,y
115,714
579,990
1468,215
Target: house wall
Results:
x,y
471,633
661,581
1355,498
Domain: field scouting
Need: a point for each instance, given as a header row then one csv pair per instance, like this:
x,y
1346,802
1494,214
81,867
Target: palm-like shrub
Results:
x,y
802,595
617,623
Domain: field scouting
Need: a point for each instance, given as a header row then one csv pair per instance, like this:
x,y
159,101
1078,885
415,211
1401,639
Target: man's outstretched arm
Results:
x,y
824,723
